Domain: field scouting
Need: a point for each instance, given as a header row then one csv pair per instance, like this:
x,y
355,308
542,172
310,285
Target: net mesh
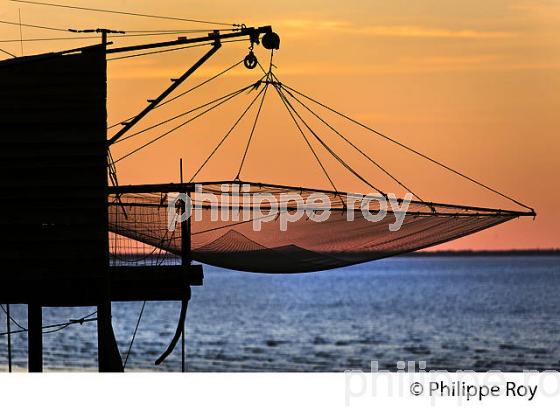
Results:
x,y
236,226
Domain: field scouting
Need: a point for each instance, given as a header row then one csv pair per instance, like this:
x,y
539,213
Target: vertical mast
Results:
x,y
108,352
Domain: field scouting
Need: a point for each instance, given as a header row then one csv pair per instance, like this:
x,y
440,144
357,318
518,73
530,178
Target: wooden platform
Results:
x,y
127,284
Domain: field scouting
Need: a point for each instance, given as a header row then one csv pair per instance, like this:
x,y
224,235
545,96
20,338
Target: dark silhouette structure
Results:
x,y
53,179
59,210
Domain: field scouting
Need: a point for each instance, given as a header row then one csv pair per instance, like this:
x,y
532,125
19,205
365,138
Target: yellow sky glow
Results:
x,y
474,83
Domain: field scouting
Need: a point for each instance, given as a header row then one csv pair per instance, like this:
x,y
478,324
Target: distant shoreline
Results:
x,y
512,252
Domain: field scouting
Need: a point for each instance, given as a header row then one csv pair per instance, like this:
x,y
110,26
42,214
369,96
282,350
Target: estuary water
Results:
x,y
468,313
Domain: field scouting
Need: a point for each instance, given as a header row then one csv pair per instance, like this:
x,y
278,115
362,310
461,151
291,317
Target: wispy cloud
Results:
x,y
428,32
394,30
404,66
542,9
417,66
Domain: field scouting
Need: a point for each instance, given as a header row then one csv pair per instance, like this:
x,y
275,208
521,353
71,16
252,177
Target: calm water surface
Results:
x,y
476,313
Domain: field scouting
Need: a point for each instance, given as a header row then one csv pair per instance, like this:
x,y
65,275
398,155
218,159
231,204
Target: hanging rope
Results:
x,y
232,94
283,99
252,133
178,127
185,92
134,334
369,158
57,327
8,53
440,164
331,151
111,36
11,318
327,148
171,49
180,328
227,133
13,23
147,53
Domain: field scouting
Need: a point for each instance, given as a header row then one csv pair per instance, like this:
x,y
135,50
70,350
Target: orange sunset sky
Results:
x,y
473,83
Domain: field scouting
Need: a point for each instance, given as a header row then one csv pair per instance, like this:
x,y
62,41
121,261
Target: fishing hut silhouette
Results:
x,y
55,187
64,212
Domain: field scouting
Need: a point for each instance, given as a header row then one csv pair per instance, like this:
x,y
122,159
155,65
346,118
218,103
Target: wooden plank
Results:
x,y
127,284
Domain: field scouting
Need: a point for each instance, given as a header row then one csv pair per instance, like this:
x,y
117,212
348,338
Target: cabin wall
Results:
x,y
53,178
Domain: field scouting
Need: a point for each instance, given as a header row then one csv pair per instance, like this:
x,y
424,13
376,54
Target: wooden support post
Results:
x,y
35,337
9,331
186,260
186,257
108,352
108,355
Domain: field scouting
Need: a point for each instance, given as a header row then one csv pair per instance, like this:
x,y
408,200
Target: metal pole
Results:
x,y
183,330
183,369
185,259
35,337
8,329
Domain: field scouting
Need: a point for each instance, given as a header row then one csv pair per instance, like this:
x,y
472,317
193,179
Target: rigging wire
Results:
x,y
170,49
199,30
50,39
183,114
176,128
252,132
125,34
7,52
329,149
11,318
96,37
126,13
12,23
20,33
135,33
369,158
142,33
200,84
159,263
147,53
57,327
228,133
134,334
268,78
183,93
448,168
282,98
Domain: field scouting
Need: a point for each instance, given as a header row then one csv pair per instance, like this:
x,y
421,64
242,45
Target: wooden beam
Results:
x,y
35,337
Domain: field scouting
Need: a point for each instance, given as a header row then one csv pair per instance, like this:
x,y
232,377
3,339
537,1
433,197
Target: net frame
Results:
x,y
140,213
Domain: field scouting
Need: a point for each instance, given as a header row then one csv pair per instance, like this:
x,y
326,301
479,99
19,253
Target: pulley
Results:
x,y
271,41
250,60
